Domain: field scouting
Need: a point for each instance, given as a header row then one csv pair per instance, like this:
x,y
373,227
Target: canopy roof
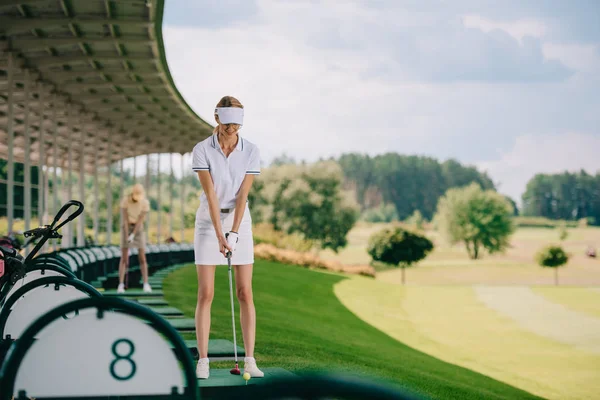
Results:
x,y
98,67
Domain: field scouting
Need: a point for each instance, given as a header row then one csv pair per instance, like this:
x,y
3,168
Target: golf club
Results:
x,y
127,270
236,370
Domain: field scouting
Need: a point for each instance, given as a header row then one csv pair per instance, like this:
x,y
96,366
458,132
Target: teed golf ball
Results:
x,y
246,376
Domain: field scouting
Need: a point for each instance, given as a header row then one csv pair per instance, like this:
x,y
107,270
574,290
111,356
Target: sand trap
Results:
x,y
543,317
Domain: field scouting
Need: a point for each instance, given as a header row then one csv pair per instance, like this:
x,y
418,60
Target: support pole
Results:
x,y
27,156
121,182
96,195
109,220
42,161
171,197
182,199
158,200
147,186
71,134
81,218
10,182
55,184
134,169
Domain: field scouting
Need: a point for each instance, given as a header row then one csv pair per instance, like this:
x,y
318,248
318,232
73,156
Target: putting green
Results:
x,y
583,300
450,323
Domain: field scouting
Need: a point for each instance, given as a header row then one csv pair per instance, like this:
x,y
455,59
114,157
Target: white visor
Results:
x,y
230,115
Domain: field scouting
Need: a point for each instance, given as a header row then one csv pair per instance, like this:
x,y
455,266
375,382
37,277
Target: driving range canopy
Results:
x,y
89,74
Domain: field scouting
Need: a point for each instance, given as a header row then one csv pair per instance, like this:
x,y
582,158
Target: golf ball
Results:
x,y
246,376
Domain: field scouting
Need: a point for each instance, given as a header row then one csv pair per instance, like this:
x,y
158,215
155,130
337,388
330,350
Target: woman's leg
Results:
x,y
243,286
143,264
123,263
206,291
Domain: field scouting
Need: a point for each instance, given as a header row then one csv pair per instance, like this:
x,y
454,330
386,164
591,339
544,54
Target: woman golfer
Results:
x,y
226,165
134,208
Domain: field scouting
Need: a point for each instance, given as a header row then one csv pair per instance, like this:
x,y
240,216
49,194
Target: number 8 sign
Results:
x,y
124,358
111,347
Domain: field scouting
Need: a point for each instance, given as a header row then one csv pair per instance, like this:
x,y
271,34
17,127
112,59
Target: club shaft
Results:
x,y
232,310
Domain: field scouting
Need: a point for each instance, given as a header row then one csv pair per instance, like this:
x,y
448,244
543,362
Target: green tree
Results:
x,y
416,219
308,200
398,247
479,219
383,213
563,233
552,257
408,182
567,196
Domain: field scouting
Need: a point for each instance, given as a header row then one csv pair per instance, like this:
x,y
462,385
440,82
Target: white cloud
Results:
x,y
584,58
532,154
302,72
516,28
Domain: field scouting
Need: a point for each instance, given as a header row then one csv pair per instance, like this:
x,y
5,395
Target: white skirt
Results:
x,y
206,245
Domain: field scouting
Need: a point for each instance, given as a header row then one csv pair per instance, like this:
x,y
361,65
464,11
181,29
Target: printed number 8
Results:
x,y
126,357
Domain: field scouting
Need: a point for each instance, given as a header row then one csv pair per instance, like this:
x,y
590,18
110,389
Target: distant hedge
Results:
x,y
541,222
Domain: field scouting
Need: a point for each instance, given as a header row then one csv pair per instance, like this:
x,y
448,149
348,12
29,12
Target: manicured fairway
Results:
x,y
450,265
583,300
454,324
303,326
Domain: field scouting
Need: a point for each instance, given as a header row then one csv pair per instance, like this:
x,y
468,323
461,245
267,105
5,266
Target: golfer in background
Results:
x,y
226,164
134,208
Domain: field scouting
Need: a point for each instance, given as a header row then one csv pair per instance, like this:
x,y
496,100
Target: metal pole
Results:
x,y
109,221
27,155
42,160
96,196
70,172
147,185
81,219
134,168
171,196
158,198
147,177
182,199
55,185
121,222
10,201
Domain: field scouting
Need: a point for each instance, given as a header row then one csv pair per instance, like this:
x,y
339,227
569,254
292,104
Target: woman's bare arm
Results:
x,y
213,203
240,202
139,222
125,217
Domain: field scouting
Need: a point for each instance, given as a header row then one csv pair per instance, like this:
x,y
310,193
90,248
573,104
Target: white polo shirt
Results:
x,y
227,172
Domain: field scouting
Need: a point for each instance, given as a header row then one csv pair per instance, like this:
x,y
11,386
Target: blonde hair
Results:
x,y
137,192
226,101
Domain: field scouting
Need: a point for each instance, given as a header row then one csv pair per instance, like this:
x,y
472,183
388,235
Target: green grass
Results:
x,y
583,300
453,324
302,326
451,265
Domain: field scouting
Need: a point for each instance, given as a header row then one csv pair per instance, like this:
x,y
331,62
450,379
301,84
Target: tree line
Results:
x,y
567,196
410,183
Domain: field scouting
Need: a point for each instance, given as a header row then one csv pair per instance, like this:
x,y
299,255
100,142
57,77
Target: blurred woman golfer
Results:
x,y
134,208
226,165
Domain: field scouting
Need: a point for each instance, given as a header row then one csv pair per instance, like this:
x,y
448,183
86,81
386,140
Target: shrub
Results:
x,y
416,220
552,257
479,219
308,260
562,231
264,233
542,222
398,247
383,213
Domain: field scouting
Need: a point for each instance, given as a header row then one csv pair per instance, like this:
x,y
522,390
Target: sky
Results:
x,y
512,87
